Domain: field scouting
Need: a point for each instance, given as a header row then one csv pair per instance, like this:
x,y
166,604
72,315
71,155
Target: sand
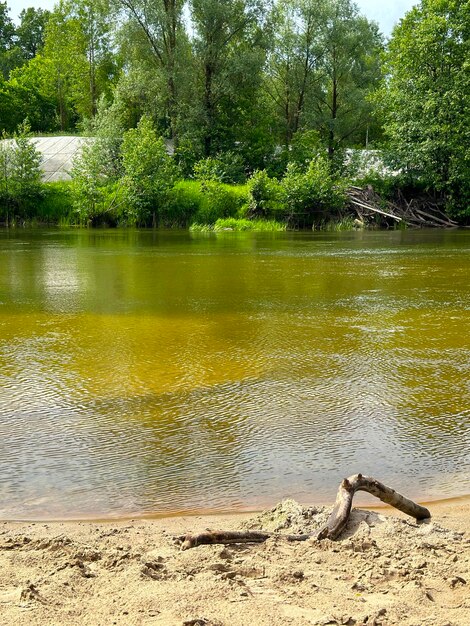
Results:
x,y
385,569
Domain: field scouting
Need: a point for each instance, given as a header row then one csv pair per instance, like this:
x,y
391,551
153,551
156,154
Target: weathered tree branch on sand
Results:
x,y
336,522
342,508
234,536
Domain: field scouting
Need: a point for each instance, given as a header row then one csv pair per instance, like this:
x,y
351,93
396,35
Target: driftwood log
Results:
x,y
335,524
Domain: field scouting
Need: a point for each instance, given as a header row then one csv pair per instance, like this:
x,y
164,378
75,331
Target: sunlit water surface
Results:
x,y
168,372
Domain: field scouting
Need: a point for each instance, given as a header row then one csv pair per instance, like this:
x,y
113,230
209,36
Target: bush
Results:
x,y
267,197
226,167
20,176
150,172
314,193
220,201
55,205
184,201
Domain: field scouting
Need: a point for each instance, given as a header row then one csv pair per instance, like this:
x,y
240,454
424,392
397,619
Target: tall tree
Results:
x,y
9,53
323,65
427,97
161,24
229,54
30,32
95,21
350,63
292,75
65,66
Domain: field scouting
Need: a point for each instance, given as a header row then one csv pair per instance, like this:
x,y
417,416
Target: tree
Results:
x,y
161,24
323,66
228,48
427,98
293,76
65,67
352,71
30,32
95,21
10,55
98,192
22,98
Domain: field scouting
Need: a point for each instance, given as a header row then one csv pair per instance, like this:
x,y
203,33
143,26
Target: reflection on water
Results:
x,y
156,372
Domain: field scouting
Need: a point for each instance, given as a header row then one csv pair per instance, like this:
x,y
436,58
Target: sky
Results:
x,y
385,12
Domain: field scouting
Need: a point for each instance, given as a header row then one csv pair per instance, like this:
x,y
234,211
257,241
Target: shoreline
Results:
x,y
385,569
373,504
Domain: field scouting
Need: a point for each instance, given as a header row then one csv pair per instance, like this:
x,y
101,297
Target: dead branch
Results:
x,y
227,537
375,210
336,522
417,212
342,508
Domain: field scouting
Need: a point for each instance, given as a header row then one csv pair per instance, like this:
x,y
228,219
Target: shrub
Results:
x,y
313,193
220,200
266,196
226,167
184,201
20,175
150,172
55,205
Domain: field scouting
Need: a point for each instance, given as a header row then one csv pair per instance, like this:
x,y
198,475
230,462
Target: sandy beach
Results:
x,y
385,569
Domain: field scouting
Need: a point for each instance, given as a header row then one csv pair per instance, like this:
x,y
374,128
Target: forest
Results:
x,y
235,113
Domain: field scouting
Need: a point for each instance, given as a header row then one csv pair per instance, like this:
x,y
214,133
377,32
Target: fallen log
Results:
x,y
446,222
335,524
374,210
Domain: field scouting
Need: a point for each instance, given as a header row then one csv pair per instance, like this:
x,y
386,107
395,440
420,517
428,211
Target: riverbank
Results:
x,y
386,569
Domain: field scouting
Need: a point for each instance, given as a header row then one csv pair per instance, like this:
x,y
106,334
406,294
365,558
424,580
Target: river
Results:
x,y
169,372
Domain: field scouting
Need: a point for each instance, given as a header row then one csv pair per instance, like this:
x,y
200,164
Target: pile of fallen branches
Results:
x,y
415,213
335,524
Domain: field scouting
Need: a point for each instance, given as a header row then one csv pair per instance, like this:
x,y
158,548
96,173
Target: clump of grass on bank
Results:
x,y
345,223
55,204
239,225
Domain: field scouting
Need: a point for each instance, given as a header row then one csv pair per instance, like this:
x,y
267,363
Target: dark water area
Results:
x,y
157,372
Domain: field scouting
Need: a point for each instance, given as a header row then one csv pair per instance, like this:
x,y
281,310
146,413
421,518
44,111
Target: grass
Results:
x,y
239,225
345,223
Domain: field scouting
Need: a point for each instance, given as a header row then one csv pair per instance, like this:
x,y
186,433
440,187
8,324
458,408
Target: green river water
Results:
x,y
169,372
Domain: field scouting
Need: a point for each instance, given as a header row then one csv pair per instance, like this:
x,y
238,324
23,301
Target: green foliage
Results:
x,y
426,99
220,201
98,193
226,167
323,64
209,169
55,204
30,32
7,35
248,225
338,225
267,196
239,225
228,60
20,175
314,192
184,201
149,171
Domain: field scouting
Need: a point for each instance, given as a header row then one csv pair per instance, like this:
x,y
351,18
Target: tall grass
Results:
x,y
239,225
